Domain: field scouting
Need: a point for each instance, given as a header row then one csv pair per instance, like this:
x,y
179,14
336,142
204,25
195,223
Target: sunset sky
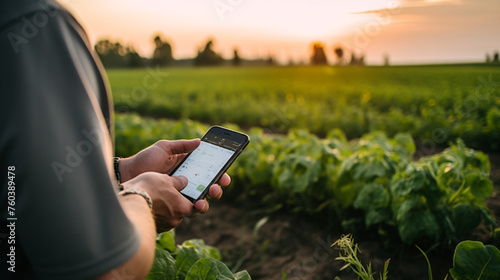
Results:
x,y
418,31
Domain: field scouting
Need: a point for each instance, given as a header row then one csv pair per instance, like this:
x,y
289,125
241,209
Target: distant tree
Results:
x,y
361,60
495,57
236,58
134,59
488,59
112,55
208,56
386,60
339,52
270,61
318,56
162,54
355,60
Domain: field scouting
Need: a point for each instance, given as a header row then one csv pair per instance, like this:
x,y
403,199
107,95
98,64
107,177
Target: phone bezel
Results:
x,y
226,134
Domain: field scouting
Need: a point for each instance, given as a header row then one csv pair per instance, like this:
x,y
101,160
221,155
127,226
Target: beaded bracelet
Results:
x,y
141,193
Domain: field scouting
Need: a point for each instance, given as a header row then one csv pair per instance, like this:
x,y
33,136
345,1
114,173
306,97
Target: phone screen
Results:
x,y
206,162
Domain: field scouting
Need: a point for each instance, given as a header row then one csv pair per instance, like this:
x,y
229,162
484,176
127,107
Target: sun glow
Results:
x,y
183,21
283,28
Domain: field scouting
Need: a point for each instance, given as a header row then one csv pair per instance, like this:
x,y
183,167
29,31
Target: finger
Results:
x,y
225,180
215,192
163,225
182,146
194,215
175,222
179,182
201,206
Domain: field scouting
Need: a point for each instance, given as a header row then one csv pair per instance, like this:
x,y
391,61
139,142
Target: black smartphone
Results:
x,y
204,166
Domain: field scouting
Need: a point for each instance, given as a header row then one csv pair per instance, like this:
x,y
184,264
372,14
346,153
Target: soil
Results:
x,y
300,245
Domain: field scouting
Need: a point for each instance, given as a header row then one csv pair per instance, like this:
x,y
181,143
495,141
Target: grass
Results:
x,y
452,100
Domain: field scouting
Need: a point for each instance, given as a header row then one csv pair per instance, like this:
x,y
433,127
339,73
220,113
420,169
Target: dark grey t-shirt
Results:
x,y
55,139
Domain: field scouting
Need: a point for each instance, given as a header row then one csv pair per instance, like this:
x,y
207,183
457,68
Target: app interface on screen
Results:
x,y
205,162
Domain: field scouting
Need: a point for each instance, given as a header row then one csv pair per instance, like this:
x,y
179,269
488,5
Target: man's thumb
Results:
x,y
180,182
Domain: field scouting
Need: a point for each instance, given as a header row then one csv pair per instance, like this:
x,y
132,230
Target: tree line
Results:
x,y
115,55
319,56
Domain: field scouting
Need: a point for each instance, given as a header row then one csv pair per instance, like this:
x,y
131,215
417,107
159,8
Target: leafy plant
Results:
x,y
191,260
371,183
348,254
472,260
442,196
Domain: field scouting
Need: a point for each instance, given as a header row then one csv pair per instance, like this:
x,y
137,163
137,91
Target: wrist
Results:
x,y
125,169
144,194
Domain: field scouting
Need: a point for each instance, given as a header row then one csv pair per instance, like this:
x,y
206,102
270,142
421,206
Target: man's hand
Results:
x,y
169,206
147,171
160,157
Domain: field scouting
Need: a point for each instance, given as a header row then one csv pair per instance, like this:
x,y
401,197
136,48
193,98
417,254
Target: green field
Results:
x,y
351,147
371,182
435,104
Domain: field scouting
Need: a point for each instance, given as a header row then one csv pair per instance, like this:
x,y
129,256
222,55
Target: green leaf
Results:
x,y
297,172
346,194
209,269
417,224
164,267
465,219
190,251
474,260
202,249
186,257
166,241
488,217
242,275
480,186
372,196
378,216
450,176
409,204
415,179
405,141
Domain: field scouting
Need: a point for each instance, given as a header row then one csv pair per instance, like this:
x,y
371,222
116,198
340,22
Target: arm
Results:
x,y
169,208
138,266
64,176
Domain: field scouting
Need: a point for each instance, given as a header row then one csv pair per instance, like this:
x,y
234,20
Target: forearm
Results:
x,y
139,265
127,171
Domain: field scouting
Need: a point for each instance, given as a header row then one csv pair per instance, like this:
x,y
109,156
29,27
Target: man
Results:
x,y
61,214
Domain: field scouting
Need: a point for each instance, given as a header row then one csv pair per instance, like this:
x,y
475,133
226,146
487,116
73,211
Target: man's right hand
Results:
x,y
169,205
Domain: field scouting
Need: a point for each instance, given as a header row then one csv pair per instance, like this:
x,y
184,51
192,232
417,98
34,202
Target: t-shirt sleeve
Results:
x,y
70,224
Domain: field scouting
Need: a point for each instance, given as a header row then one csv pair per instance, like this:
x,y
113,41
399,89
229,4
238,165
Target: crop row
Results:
x,y
370,183
434,104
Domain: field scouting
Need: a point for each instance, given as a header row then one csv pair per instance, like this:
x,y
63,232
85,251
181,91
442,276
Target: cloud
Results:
x,y
430,31
431,8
